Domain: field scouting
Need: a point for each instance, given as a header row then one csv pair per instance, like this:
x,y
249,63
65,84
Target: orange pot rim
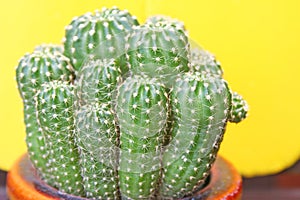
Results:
x,y
23,184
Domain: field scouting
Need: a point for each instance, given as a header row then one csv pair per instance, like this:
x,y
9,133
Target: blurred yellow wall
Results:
x,y
256,41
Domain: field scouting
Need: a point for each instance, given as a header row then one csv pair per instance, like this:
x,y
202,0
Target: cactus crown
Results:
x,y
204,62
162,18
144,117
159,50
97,81
99,33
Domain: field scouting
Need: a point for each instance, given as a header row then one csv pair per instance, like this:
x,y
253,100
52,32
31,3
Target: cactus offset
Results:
x,y
239,108
33,70
144,117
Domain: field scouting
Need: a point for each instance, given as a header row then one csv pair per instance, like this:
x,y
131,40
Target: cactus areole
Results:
x,y
125,111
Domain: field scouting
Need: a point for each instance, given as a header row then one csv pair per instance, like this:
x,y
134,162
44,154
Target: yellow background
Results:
x,y
257,42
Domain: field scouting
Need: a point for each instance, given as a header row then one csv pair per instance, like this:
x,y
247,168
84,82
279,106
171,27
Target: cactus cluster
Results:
x,y
125,111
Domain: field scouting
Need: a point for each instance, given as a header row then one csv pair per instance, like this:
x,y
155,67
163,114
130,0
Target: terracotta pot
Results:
x,y
22,184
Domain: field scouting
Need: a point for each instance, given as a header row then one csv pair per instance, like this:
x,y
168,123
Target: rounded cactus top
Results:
x,y
159,50
239,108
122,19
204,62
39,67
97,81
141,101
162,18
50,48
98,33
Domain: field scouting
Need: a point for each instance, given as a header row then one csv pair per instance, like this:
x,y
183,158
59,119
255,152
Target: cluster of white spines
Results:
x,y
97,34
162,18
205,63
97,81
239,109
141,109
157,50
200,107
43,65
148,115
54,103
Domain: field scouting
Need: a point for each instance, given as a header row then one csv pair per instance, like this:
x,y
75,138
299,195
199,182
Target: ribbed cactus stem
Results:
x,y
159,50
33,70
141,109
239,108
54,104
96,134
96,81
98,35
200,107
35,143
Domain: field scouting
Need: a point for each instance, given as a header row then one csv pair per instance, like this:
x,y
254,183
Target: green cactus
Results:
x,y
97,140
200,106
159,50
239,108
205,63
96,129
97,81
141,109
54,104
32,71
39,67
50,48
162,18
98,35
144,117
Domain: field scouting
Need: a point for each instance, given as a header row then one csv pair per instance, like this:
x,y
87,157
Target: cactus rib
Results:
x,y
54,103
97,34
33,70
200,107
142,108
96,135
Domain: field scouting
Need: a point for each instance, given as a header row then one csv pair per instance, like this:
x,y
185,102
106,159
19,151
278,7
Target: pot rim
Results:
x,y
23,184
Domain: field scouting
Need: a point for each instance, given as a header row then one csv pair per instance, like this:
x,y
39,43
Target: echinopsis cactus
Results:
x,y
41,66
141,110
200,108
159,50
141,115
58,131
99,34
